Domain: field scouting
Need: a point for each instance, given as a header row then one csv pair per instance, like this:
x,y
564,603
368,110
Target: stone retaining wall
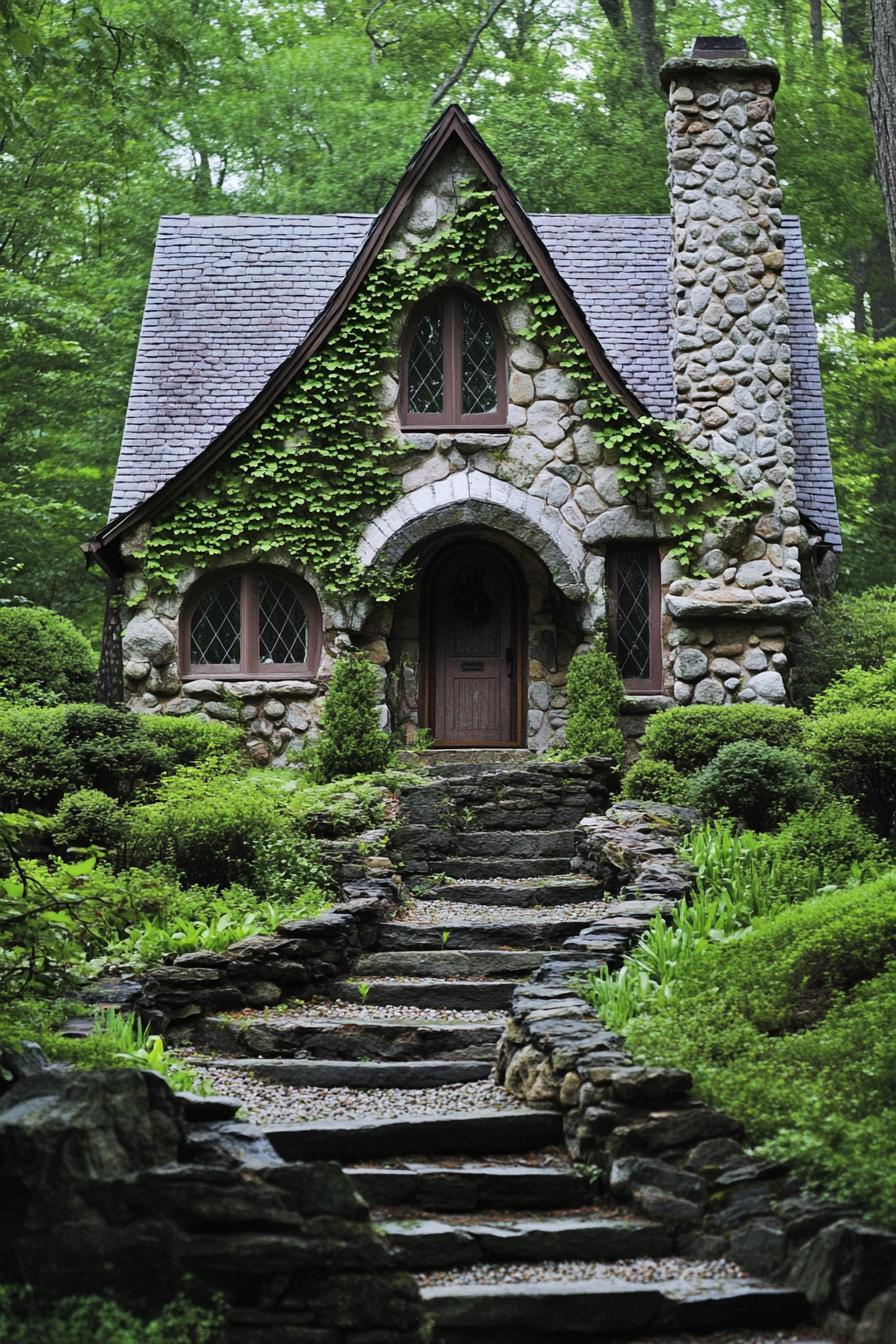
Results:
x,y
112,1184
299,958
538,796
656,1147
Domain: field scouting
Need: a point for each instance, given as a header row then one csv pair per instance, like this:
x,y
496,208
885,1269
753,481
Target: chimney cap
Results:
x,y
715,58
719,48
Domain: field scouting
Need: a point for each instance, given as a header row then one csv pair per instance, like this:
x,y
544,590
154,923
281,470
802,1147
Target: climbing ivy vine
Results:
x,y
319,464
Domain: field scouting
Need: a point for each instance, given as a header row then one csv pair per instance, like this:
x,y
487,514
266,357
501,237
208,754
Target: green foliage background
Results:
x,y
114,113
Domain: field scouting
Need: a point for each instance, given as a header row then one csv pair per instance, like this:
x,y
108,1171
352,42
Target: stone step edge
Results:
x,y
473,1132
363,1075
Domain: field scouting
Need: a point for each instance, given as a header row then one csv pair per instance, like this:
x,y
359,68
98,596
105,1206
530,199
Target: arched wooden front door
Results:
x,y
475,664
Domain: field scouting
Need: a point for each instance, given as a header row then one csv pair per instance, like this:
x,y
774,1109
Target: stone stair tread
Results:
x,y
468,1132
469,1186
521,893
504,866
366,1074
544,932
426,992
440,963
605,1306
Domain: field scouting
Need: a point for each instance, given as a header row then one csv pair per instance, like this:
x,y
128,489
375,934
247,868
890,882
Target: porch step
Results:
x,y
362,1074
463,995
351,1038
446,760
602,1308
517,844
469,1186
438,1244
470,1132
526,933
524,894
503,866
445,964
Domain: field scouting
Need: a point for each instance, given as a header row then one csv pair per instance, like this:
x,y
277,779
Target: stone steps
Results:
x,y
472,1132
349,1038
475,964
467,1187
601,1308
422,993
439,1244
521,894
529,933
505,865
363,1074
515,844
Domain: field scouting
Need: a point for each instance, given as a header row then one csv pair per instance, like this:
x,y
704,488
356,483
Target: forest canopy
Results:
x,y
112,115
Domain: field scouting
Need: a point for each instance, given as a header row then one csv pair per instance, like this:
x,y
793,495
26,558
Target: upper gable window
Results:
x,y
250,622
453,372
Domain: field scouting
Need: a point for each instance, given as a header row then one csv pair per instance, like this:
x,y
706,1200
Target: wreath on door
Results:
x,y
471,601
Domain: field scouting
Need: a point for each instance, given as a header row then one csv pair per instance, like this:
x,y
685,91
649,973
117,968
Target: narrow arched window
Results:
x,y
453,370
635,617
251,622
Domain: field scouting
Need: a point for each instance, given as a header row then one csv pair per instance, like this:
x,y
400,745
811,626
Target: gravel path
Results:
x,y
462,912
687,1276
269,1103
333,1010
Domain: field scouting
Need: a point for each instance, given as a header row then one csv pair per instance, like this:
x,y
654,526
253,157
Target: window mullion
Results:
x,y
453,365
248,604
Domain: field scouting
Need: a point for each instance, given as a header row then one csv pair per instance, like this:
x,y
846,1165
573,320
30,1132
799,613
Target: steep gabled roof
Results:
x,y
236,303
452,128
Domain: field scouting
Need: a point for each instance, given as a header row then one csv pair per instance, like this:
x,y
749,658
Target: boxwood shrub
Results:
x,y
689,736
758,784
44,660
855,753
655,781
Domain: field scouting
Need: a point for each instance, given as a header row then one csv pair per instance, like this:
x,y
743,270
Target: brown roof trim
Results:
x,y
452,123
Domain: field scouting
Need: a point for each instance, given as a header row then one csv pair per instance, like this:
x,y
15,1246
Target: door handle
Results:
x,y
508,654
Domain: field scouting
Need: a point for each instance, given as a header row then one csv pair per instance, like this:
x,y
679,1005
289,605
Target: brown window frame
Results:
x,y
452,416
654,682
250,666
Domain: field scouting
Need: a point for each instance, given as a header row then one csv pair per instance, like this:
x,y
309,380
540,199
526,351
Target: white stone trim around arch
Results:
x,y
476,499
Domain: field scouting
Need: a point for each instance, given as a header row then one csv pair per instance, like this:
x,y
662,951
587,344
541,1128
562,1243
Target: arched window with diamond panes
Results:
x,y
453,372
250,623
635,617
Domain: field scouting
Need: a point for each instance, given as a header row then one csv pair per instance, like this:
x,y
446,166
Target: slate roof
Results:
x,y
230,298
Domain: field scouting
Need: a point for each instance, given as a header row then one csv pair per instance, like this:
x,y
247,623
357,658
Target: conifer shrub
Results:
x,y
191,740
859,688
758,784
689,736
87,818
595,693
855,754
351,741
656,782
44,659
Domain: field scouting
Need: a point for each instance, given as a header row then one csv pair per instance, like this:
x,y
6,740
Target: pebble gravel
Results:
x,y
271,1104
443,913
334,1010
687,1276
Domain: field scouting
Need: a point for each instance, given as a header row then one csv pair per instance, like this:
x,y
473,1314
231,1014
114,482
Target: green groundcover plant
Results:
x,y
96,1320
804,1052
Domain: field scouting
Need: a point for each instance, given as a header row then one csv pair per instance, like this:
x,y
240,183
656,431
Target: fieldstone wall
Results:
x,y
112,1184
259,971
672,1157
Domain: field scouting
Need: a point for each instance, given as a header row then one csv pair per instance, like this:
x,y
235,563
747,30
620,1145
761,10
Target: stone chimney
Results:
x,y
731,335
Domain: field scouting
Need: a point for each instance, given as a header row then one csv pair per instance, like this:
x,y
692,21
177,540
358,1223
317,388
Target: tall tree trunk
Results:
x,y
644,25
882,101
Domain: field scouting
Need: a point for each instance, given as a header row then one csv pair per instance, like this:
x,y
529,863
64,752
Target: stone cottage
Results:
x,y
498,490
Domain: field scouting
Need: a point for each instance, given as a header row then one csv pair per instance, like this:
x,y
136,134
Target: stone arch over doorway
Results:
x,y
475,499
